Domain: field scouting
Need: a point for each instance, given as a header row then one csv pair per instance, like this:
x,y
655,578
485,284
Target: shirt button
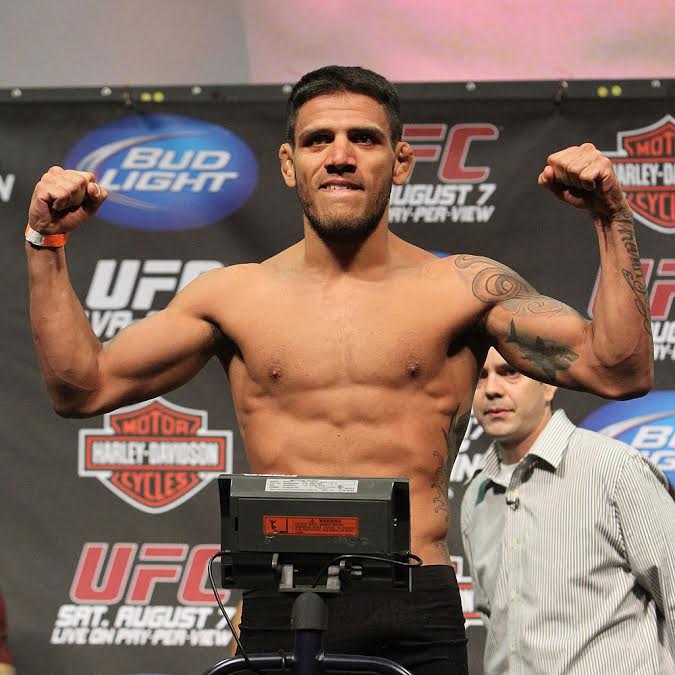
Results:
x,y
514,543
514,595
513,647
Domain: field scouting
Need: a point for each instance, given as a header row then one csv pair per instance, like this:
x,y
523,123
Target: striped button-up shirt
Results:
x,y
573,561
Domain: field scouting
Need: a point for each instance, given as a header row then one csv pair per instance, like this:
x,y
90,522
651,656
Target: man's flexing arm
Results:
x,y
612,355
83,376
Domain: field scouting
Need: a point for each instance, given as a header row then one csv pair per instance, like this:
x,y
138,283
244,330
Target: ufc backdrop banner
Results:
x,y
107,523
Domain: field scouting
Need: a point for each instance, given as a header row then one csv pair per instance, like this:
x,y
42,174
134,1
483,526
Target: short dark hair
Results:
x,y
333,79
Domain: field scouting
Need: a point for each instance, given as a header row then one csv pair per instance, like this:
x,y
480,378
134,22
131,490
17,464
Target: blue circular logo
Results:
x,y
647,423
167,172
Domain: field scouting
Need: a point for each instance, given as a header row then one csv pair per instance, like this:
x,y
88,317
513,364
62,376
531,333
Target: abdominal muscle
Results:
x,y
393,434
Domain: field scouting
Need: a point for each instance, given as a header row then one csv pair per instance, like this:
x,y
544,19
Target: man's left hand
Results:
x,y
584,178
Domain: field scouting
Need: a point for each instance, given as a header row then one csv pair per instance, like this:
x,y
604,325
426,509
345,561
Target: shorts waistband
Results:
x,y
433,577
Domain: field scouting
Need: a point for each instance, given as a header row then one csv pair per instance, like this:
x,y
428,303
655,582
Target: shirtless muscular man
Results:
x,y
353,352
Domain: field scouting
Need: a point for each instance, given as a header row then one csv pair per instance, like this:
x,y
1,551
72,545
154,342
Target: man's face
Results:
x,y
511,407
343,164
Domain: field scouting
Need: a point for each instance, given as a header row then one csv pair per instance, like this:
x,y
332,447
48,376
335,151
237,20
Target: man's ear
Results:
x,y
287,166
549,392
403,162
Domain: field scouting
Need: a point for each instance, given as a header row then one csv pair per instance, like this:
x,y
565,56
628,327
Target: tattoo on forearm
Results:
x,y
547,356
641,304
453,438
497,283
634,277
623,216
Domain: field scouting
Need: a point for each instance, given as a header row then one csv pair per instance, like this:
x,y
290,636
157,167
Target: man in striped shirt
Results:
x,y
570,537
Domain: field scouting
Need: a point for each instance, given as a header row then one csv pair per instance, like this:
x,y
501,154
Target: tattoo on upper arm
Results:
x,y
546,356
453,438
634,277
497,283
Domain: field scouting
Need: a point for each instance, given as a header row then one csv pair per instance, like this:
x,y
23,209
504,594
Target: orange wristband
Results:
x,y
45,240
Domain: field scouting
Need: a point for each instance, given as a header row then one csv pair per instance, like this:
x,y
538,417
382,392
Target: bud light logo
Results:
x,y
648,424
167,172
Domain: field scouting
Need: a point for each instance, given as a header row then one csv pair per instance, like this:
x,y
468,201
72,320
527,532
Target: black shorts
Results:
x,y
422,630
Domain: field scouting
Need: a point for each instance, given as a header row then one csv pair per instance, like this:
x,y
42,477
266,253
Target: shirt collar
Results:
x,y
550,446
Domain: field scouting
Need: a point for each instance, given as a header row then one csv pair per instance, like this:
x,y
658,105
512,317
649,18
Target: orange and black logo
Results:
x,y
644,162
155,455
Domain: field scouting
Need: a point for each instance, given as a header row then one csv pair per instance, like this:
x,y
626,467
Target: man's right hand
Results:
x,y
63,200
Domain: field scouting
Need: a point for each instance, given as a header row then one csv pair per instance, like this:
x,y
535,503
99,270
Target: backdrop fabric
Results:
x,y
107,522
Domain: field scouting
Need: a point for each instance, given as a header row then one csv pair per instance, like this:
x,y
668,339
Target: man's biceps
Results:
x,y
169,325
187,322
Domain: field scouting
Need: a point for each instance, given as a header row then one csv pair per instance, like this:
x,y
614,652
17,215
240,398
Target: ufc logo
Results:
x,y
104,582
427,146
120,285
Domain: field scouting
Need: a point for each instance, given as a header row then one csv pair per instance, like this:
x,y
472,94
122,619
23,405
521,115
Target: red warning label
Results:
x,y
310,526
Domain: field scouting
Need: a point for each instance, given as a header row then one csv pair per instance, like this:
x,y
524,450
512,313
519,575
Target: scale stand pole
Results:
x,y
310,620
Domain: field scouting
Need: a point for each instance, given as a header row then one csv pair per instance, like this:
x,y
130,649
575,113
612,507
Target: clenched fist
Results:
x,y
63,200
583,177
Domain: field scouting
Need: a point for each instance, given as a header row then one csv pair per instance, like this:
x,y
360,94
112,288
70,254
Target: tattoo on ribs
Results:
x,y
453,438
635,278
459,430
442,548
547,356
440,483
497,283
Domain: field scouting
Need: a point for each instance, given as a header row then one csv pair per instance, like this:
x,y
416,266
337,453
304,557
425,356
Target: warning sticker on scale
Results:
x,y
311,485
308,526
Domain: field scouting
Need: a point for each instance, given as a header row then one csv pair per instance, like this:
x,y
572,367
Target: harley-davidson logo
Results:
x,y
645,164
155,455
